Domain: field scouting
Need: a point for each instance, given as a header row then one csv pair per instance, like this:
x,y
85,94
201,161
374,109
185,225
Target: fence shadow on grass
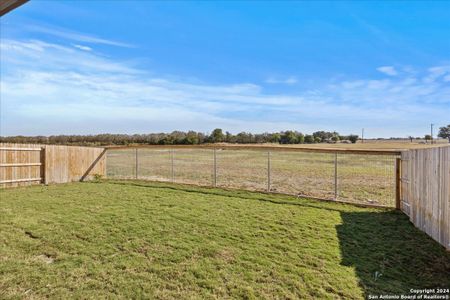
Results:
x,y
389,255
280,199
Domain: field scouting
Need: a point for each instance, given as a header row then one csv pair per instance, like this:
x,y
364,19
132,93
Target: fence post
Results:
x,y
43,168
268,172
137,163
215,168
335,176
105,164
172,169
398,163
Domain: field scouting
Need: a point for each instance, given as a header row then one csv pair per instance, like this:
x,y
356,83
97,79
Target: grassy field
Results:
x,y
147,240
369,145
361,178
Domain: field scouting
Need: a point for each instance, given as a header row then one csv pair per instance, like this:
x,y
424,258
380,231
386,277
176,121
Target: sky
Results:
x,y
88,67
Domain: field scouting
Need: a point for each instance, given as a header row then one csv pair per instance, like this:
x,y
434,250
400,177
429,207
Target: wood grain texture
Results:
x,y
426,191
13,176
56,164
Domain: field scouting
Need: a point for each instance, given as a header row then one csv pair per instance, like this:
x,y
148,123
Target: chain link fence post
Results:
x,y
172,167
268,172
335,176
215,168
136,164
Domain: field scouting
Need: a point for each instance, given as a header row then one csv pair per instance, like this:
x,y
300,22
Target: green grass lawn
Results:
x,y
147,240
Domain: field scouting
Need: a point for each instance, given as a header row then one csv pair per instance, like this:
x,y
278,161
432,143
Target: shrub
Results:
x,y
353,138
309,139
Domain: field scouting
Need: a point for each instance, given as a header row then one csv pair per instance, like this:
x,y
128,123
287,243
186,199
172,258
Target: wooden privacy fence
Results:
x,y
25,164
426,191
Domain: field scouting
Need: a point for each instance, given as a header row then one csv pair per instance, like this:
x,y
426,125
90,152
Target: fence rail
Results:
x,y
364,177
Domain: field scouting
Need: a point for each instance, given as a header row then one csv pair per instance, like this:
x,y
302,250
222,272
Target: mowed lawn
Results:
x,y
132,239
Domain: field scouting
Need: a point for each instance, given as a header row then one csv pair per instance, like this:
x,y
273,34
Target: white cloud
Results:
x,y
437,72
81,47
51,89
276,80
75,36
388,70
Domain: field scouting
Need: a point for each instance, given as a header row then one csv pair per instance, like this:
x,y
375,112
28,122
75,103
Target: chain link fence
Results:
x,y
351,177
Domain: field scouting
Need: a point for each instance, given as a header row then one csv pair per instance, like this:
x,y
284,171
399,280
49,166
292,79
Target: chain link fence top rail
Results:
x,y
351,177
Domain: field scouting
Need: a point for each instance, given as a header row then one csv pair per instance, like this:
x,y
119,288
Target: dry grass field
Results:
x,y
393,145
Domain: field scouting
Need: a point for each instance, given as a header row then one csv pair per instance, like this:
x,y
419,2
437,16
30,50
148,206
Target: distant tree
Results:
x,y
323,135
166,140
244,138
309,139
300,138
191,138
261,138
229,137
317,139
411,138
177,137
444,132
275,138
335,137
202,138
353,138
427,137
289,137
217,136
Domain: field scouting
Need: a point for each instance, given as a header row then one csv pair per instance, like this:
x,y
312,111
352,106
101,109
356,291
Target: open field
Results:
x,y
139,239
362,178
367,145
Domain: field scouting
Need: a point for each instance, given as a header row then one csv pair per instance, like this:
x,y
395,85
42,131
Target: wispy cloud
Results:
x,y
74,36
437,72
49,88
388,70
81,47
279,80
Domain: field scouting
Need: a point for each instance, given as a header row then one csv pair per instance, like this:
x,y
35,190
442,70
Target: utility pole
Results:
x,y
432,133
362,136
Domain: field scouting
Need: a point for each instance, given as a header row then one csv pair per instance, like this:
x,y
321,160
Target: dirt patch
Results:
x,y
48,259
226,255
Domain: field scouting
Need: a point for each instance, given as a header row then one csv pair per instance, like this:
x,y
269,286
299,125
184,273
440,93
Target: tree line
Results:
x,y
184,138
195,138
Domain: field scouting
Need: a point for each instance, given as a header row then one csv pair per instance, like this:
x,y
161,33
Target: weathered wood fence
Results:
x,y
426,191
25,164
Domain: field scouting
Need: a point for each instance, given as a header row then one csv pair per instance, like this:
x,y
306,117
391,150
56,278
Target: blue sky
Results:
x,y
86,67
